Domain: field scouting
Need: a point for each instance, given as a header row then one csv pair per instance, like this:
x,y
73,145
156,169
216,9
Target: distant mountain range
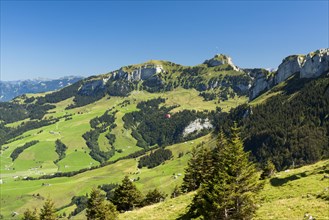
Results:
x,y
12,89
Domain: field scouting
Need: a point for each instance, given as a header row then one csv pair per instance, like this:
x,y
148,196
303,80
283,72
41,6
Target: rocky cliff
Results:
x,y
121,79
315,64
221,59
138,73
312,65
262,81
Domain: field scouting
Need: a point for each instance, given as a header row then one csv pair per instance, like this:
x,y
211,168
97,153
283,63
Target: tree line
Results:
x,y
20,150
151,126
155,158
290,129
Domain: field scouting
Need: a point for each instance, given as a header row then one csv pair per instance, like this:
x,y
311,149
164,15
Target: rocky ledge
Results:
x,y
221,59
311,65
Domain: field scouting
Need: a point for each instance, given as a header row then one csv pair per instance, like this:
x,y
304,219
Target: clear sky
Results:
x,y
52,39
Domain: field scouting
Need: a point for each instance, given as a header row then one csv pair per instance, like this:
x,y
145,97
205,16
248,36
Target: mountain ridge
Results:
x,y
68,141
12,89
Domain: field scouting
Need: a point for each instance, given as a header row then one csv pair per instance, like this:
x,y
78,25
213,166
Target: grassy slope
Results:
x,y
38,159
70,132
61,190
288,195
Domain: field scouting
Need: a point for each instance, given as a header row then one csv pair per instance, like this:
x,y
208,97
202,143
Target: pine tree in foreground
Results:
x,y
47,212
29,215
98,208
231,191
199,168
154,196
126,196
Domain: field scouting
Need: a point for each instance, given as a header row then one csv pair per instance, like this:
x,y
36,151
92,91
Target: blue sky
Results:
x,y
52,39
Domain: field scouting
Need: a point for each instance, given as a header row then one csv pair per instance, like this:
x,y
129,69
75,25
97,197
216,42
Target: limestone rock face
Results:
x,y
289,66
221,59
140,73
315,64
312,65
90,87
197,126
261,82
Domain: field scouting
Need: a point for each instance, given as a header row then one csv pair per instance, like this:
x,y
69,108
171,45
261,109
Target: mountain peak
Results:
x,y
220,59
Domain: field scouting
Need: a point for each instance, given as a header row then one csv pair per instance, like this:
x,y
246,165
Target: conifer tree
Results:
x,y
199,169
269,170
231,192
126,196
29,215
176,192
190,180
154,196
98,208
47,212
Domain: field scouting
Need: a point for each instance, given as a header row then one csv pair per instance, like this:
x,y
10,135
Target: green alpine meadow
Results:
x,y
164,110
163,141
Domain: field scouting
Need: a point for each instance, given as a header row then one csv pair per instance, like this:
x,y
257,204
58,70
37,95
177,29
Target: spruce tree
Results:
x,y
176,192
154,196
47,212
29,215
190,180
231,192
268,170
126,196
98,208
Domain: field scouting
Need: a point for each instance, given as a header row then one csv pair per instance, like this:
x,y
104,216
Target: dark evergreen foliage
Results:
x,y
80,202
19,150
91,138
99,125
60,95
60,150
231,189
109,189
150,126
153,196
98,208
47,212
290,129
199,169
176,192
155,158
12,134
126,196
30,215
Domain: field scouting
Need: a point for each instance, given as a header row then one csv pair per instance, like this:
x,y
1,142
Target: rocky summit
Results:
x,y
311,65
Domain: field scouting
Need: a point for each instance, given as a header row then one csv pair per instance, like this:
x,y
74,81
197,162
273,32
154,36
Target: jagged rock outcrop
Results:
x,y
315,64
289,66
122,80
221,59
261,81
312,65
91,87
197,126
139,73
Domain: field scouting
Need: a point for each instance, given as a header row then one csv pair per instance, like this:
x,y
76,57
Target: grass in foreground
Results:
x,y
288,195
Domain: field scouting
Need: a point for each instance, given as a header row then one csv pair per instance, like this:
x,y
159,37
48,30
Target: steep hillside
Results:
x,y
12,89
308,66
288,124
96,130
291,194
